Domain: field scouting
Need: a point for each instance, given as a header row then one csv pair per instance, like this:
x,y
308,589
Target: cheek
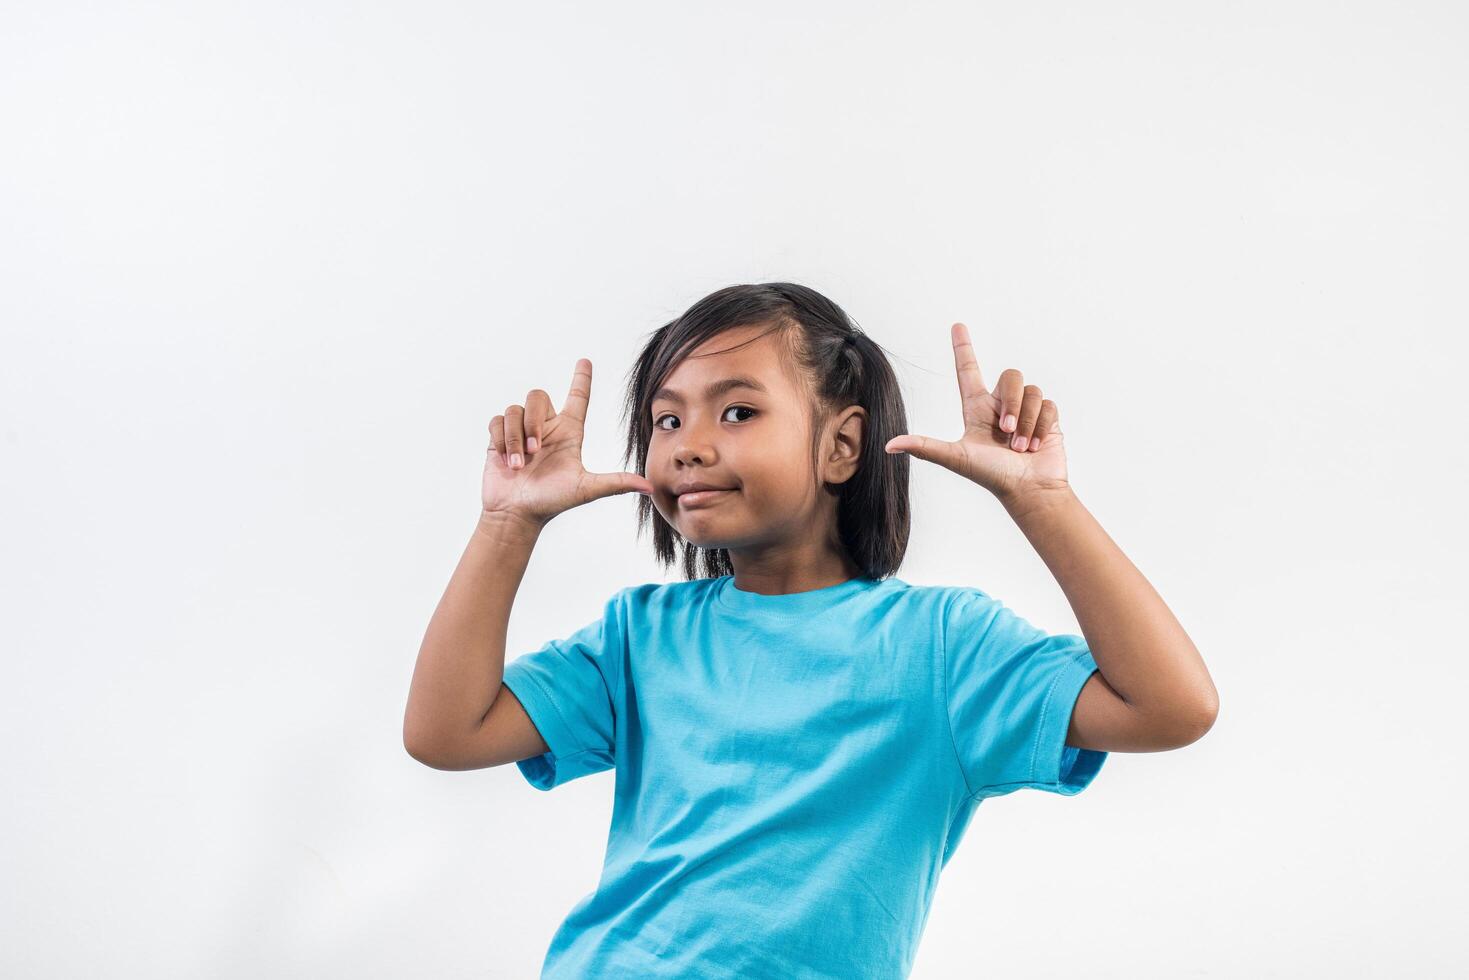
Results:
x,y
774,475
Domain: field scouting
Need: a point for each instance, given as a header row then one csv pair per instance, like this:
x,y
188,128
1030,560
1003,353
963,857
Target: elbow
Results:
x,y
417,752
1187,727
433,758
422,747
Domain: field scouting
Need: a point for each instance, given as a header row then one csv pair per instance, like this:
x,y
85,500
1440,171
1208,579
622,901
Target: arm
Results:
x,y
1152,690
459,714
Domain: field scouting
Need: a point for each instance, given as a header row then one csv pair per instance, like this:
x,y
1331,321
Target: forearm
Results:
x,y
461,661
1140,647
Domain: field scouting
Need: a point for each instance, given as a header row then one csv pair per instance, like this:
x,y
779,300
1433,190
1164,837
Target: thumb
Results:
x,y
934,450
599,485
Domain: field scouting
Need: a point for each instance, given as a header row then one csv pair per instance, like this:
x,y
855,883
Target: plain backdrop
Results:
x,y
269,270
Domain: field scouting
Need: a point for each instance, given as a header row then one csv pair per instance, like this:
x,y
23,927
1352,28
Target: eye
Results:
x,y
733,408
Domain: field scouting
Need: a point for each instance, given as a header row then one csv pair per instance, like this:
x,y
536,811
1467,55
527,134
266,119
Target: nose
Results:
x,y
693,447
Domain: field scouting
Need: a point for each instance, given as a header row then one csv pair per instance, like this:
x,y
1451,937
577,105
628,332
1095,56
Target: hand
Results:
x,y
534,469
991,451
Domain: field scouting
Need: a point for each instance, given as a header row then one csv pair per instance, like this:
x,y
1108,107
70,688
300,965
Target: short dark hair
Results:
x,y
841,366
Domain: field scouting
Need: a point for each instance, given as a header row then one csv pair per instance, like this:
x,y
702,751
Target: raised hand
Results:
x,y
1012,438
534,469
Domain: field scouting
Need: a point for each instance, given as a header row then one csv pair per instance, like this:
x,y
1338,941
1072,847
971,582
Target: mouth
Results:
x,y
699,498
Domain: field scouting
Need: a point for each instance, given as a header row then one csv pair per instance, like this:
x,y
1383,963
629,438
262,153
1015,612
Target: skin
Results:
x,y
779,523
1152,690
779,527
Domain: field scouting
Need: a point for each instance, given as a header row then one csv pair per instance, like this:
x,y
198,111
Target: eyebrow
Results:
x,y
714,390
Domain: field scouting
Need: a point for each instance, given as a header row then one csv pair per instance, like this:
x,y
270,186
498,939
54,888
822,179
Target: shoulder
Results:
x,y
954,612
654,596
942,600
937,607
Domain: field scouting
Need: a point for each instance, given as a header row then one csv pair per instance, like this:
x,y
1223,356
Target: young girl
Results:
x,y
800,738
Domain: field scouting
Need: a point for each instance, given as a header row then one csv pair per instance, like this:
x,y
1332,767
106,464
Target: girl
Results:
x,y
800,738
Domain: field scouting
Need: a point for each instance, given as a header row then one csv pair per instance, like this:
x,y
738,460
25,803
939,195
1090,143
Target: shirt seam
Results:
x,y
550,697
1039,736
1041,729
622,655
948,717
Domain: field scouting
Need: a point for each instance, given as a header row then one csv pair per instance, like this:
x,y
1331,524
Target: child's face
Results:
x,y
756,444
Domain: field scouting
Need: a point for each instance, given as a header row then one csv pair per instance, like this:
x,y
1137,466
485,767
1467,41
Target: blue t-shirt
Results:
x,y
792,771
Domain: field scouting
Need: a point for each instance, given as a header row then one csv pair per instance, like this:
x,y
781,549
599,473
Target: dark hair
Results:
x,y
841,366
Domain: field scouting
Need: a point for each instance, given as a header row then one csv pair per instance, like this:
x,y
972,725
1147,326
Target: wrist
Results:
x,y
500,525
1024,501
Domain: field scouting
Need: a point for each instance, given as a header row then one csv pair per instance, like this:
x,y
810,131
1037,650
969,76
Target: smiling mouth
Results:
x,y
698,497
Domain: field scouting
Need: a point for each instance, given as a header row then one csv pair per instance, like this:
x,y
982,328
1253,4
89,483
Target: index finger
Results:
x,y
538,411
966,367
580,392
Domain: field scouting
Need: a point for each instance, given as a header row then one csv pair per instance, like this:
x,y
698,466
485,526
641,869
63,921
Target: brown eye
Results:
x,y
732,408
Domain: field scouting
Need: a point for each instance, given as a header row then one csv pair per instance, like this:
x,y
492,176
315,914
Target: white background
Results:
x,y
269,270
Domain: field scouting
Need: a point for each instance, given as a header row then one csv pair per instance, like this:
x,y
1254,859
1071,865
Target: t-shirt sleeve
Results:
x,y
569,688
1010,689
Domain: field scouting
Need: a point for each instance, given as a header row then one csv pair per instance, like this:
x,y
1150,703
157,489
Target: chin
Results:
x,y
706,537
701,539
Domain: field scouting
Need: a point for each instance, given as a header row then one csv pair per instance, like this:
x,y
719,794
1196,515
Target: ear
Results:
x,y
844,445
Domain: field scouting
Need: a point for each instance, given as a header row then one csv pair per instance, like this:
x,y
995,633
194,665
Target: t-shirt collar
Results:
x,y
790,603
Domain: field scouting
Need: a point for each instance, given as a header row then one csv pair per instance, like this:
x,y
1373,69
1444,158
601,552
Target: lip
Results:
x,y
700,498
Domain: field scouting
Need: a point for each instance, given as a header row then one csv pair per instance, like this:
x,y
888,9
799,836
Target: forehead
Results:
x,y
736,351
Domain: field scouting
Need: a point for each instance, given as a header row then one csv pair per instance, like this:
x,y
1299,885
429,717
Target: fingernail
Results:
x,y
515,461
1020,443
1008,424
532,444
